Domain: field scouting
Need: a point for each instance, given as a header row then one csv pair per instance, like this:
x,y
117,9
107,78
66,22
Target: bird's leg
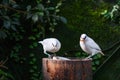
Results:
x,y
89,57
49,56
54,54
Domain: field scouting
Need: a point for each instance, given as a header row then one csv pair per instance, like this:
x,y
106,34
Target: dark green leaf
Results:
x,y
13,28
95,57
6,17
6,24
34,59
99,55
29,15
35,17
28,7
52,29
57,10
104,12
31,62
93,63
32,70
59,4
34,30
31,55
35,74
97,62
31,38
5,2
15,21
40,7
15,6
33,78
63,19
34,67
84,54
93,68
17,38
38,35
31,47
6,74
35,44
51,8
3,35
21,37
78,54
41,13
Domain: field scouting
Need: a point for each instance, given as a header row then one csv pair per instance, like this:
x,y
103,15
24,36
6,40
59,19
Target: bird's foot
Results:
x,y
87,58
49,56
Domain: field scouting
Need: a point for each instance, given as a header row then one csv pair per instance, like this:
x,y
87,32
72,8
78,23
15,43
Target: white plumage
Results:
x,y
60,58
89,46
50,45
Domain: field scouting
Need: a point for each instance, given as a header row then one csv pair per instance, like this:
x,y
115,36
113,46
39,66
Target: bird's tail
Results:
x,y
102,53
40,42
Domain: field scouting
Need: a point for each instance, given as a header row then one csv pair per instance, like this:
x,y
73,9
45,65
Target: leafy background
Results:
x,y
24,23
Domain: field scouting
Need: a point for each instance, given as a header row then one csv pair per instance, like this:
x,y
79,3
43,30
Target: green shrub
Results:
x,y
22,24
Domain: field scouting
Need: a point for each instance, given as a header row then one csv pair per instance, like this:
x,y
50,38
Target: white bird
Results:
x,y
89,46
50,45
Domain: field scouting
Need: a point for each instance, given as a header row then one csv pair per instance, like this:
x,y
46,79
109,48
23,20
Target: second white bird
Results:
x,y
89,46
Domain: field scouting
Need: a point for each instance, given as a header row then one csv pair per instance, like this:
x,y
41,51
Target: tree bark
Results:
x,y
74,69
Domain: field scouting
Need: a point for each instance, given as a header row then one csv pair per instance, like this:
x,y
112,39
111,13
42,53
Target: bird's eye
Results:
x,y
84,37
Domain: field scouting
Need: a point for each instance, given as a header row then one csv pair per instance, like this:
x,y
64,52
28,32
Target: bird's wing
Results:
x,y
91,43
50,42
54,42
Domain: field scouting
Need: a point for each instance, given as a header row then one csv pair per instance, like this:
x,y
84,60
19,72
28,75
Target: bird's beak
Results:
x,y
81,39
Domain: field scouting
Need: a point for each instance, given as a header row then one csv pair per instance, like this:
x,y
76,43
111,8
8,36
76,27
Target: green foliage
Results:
x,y
96,60
113,14
43,14
5,75
35,74
22,24
84,16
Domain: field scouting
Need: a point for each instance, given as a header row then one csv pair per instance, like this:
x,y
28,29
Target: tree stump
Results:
x,y
74,69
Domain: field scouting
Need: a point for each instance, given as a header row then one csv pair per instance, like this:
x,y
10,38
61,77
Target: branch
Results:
x,y
8,7
107,59
2,64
